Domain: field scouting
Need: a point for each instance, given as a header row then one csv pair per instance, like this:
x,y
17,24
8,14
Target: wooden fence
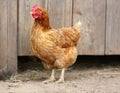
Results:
x,y
100,19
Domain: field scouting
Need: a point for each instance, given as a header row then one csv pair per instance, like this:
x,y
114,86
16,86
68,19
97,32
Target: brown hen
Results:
x,y
55,47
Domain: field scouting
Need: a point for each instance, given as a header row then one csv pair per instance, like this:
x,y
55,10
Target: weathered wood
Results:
x,y
60,12
113,27
59,17
12,36
3,33
25,25
92,15
8,38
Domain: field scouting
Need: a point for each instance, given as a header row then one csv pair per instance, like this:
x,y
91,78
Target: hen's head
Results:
x,y
38,13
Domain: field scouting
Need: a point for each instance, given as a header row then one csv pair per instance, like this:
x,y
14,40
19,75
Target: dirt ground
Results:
x,y
85,77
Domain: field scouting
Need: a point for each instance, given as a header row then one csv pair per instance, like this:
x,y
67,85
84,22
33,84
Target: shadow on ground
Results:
x,y
82,62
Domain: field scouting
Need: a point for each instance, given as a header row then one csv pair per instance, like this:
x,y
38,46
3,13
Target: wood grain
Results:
x,y
25,24
3,34
60,12
8,38
59,17
113,28
92,15
12,36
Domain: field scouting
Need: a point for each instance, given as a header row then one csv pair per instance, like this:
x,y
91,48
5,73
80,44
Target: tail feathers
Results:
x,y
78,26
79,23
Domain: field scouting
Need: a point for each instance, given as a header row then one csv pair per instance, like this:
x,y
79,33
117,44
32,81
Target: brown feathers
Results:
x,y
55,47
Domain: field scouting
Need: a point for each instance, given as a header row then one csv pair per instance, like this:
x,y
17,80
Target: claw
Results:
x,y
60,81
52,78
48,81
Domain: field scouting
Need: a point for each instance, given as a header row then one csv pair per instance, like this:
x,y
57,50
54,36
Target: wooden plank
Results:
x,y
60,12
92,15
12,36
8,34
25,24
113,28
3,34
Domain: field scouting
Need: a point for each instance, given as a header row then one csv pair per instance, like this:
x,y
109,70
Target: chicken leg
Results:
x,y
61,79
52,77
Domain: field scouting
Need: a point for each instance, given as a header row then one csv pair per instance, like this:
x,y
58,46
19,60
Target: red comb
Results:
x,y
35,7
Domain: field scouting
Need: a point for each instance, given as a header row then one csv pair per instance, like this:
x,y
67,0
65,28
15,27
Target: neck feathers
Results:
x,y
43,23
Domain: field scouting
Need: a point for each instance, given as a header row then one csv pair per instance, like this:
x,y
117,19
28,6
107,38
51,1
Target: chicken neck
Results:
x,y
43,23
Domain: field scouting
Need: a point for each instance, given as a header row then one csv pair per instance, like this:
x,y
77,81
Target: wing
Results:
x,y
66,37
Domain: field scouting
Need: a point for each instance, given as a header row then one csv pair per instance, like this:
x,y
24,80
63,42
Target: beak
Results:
x,y
31,13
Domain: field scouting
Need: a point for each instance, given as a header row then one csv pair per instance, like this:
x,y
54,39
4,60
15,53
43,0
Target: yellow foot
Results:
x,y
48,81
60,81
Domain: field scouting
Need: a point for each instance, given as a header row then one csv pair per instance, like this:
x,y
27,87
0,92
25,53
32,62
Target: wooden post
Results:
x,y
8,38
